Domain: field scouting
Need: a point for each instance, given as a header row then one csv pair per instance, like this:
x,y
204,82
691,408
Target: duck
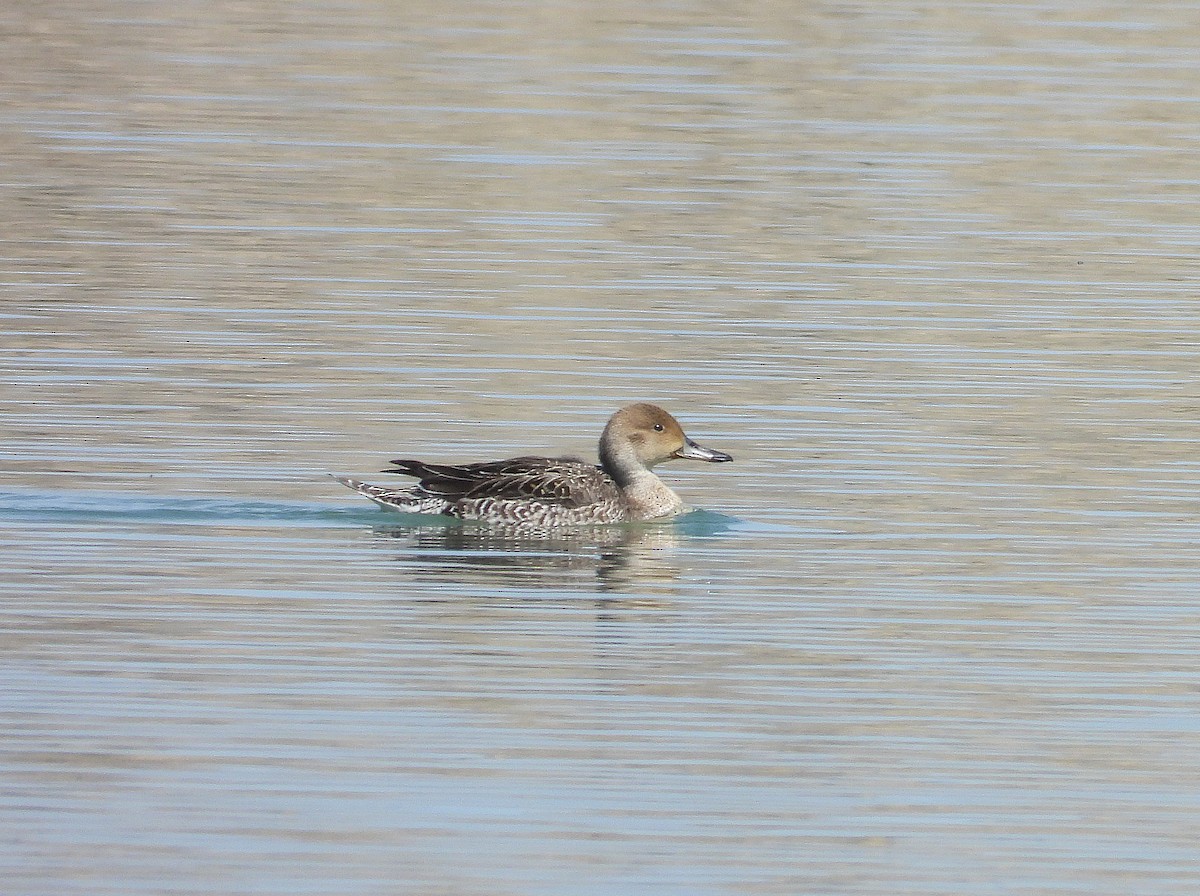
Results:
x,y
555,491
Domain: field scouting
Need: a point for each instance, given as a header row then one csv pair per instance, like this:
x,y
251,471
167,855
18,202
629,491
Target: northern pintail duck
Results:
x,y
555,491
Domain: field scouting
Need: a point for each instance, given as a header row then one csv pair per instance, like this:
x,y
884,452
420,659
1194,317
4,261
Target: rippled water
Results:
x,y
927,271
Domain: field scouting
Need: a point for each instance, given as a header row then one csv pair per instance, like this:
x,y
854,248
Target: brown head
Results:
x,y
641,435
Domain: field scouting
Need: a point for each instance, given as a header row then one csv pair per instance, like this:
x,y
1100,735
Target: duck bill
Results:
x,y
692,451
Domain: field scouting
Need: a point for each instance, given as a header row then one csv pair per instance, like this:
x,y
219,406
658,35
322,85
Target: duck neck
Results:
x,y
648,496
621,466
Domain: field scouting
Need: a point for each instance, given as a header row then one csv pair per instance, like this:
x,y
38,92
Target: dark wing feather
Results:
x,y
556,480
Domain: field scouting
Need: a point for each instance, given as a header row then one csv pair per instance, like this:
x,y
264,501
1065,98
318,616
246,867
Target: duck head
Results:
x,y
641,435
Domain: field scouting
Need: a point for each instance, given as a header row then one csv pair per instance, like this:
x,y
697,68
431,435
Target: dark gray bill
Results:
x,y
692,451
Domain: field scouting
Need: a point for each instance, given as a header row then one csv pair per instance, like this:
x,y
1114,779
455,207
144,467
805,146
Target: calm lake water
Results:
x,y
928,271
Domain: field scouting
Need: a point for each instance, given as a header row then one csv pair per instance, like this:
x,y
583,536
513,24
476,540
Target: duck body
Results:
x,y
555,491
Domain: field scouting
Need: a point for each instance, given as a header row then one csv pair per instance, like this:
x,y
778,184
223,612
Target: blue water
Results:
x,y
926,272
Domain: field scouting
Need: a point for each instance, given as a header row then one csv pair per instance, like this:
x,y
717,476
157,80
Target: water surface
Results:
x,y
926,271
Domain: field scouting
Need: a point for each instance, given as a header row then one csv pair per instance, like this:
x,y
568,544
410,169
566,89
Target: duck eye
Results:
x,y
658,427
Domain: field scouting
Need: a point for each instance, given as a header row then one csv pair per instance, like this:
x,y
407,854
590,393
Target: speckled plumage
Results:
x,y
551,492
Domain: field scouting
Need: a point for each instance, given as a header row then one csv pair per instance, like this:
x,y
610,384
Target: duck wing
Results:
x,y
566,481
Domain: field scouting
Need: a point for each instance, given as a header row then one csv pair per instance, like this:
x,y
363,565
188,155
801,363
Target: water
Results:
x,y
927,272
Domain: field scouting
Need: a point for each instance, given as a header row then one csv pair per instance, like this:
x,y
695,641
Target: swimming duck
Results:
x,y
555,491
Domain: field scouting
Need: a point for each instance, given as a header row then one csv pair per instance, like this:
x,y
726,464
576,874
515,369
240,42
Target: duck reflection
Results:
x,y
604,557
